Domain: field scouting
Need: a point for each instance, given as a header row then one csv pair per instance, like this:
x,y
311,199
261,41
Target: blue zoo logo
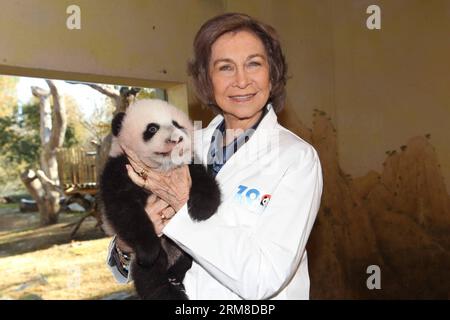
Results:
x,y
251,196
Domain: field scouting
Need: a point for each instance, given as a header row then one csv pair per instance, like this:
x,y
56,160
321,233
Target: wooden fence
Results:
x,y
77,170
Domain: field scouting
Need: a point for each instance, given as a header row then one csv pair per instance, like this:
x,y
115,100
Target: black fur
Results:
x,y
177,125
116,124
204,197
159,264
150,131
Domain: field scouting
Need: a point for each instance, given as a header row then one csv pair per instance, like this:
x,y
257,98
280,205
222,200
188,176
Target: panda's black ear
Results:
x,y
116,124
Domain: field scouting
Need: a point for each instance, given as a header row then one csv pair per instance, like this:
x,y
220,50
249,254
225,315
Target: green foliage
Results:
x,y
20,143
8,95
152,93
70,139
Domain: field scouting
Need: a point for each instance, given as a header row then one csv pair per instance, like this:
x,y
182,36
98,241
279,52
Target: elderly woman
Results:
x,y
271,180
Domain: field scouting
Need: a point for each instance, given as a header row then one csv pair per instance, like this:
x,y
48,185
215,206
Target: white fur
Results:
x,y
143,112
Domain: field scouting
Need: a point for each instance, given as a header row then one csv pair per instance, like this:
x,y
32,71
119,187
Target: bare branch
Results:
x,y
110,92
39,92
45,114
60,118
48,182
33,184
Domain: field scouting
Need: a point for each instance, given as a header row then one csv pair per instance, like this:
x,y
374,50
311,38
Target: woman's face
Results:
x,y
239,71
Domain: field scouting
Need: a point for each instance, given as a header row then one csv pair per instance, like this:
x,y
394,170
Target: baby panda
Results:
x,y
161,135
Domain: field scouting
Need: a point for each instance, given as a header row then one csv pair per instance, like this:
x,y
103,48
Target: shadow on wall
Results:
x,y
398,219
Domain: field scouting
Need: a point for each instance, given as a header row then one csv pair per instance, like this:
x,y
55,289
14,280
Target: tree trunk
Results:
x,y
47,200
43,185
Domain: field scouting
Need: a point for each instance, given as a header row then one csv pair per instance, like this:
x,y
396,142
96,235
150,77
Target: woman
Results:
x,y
271,180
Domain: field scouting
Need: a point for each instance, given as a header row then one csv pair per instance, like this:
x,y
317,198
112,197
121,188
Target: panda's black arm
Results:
x,y
204,196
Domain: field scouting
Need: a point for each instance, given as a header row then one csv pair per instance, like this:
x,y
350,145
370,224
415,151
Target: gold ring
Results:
x,y
143,173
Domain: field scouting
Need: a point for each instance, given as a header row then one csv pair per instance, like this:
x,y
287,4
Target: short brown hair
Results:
x,y
211,30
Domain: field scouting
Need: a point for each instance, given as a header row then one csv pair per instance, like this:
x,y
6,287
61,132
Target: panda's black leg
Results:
x,y
180,267
153,284
133,226
124,205
147,253
149,266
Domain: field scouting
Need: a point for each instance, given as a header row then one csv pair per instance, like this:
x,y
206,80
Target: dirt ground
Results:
x,y
45,263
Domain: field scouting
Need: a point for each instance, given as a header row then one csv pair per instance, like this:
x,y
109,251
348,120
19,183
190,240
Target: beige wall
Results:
x,y
379,87
135,39
305,31
141,42
391,84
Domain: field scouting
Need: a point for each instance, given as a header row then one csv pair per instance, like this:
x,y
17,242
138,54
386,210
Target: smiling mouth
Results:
x,y
242,97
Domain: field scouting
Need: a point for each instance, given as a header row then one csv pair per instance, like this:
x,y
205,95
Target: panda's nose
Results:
x,y
174,140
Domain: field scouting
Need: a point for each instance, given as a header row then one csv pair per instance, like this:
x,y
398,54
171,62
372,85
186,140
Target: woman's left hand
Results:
x,y
159,213
173,186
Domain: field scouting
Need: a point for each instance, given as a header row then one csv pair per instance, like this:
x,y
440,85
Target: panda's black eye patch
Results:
x,y
150,131
177,125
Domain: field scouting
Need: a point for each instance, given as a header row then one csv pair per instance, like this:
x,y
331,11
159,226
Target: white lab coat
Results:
x,y
254,249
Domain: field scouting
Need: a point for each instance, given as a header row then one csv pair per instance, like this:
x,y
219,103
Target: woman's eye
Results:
x,y
225,68
254,64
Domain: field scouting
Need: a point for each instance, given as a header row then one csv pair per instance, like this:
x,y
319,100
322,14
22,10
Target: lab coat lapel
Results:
x,y
248,152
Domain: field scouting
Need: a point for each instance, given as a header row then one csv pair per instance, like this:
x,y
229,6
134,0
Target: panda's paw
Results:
x,y
205,195
202,209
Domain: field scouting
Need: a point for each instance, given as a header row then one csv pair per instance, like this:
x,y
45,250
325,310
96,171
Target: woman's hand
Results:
x,y
159,213
173,186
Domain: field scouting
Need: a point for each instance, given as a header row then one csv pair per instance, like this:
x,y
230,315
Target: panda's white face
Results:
x,y
159,133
